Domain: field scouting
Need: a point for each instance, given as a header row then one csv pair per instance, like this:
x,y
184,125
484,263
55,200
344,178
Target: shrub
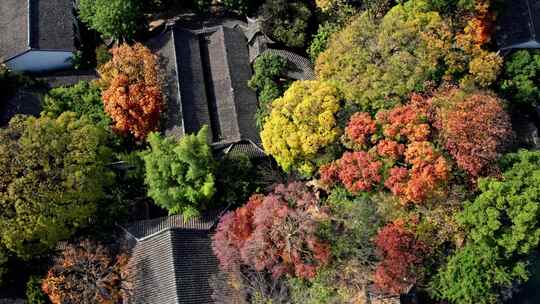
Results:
x,y
180,174
52,174
116,19
132,93
474,128
301,125
84,98
276,233
87,273
521,76
34,294
286,21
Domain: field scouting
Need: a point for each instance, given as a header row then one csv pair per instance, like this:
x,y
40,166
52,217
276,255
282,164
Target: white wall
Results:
x,y
40,61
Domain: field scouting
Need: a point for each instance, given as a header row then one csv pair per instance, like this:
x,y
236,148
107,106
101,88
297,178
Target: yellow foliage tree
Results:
x,y
302,124
377,64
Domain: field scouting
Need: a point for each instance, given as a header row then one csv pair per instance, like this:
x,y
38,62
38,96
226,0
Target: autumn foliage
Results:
x,y
392,150
401,253
132,94
475,129
87,273
276,233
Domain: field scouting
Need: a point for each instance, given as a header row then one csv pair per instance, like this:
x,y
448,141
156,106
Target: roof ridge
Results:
x,y
532,26
229,77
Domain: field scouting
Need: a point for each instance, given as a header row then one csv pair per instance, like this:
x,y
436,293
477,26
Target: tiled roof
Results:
x,y
172,261
52,25
299,68
207,69
147,228
13,28
37,24
518,24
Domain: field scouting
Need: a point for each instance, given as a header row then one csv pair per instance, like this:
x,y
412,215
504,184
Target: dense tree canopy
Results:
x,y
84,98
286,21
302,124
277,233
87,272
52,173
474,128
521,77
507,212
377,64
116,19
132,93
180,173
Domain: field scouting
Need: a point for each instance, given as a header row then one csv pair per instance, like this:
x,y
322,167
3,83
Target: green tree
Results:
x,y
115,19
474,275
521,77
84,98
34,295
52,174
286,21
268,68
503,228
506,214
180,173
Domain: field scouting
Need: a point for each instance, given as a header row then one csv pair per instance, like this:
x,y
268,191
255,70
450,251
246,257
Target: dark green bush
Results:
x,y
521,77
286,21
34,294
268,69
102,55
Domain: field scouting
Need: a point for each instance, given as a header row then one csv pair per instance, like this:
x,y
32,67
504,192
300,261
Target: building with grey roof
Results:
x,y
172,261
206,71
37,35
518,25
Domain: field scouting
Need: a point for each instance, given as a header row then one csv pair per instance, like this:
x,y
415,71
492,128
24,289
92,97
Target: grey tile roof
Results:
x,y
173,263
38,24
52,25
299,68
147,228
212,68
518,24
13,28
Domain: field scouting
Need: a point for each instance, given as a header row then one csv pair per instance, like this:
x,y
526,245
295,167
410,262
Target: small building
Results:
x,y
172,261
37,35
518,25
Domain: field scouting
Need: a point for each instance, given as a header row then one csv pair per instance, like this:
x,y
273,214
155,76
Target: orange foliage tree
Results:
x,y
392,150
474,128
132,94
87,273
